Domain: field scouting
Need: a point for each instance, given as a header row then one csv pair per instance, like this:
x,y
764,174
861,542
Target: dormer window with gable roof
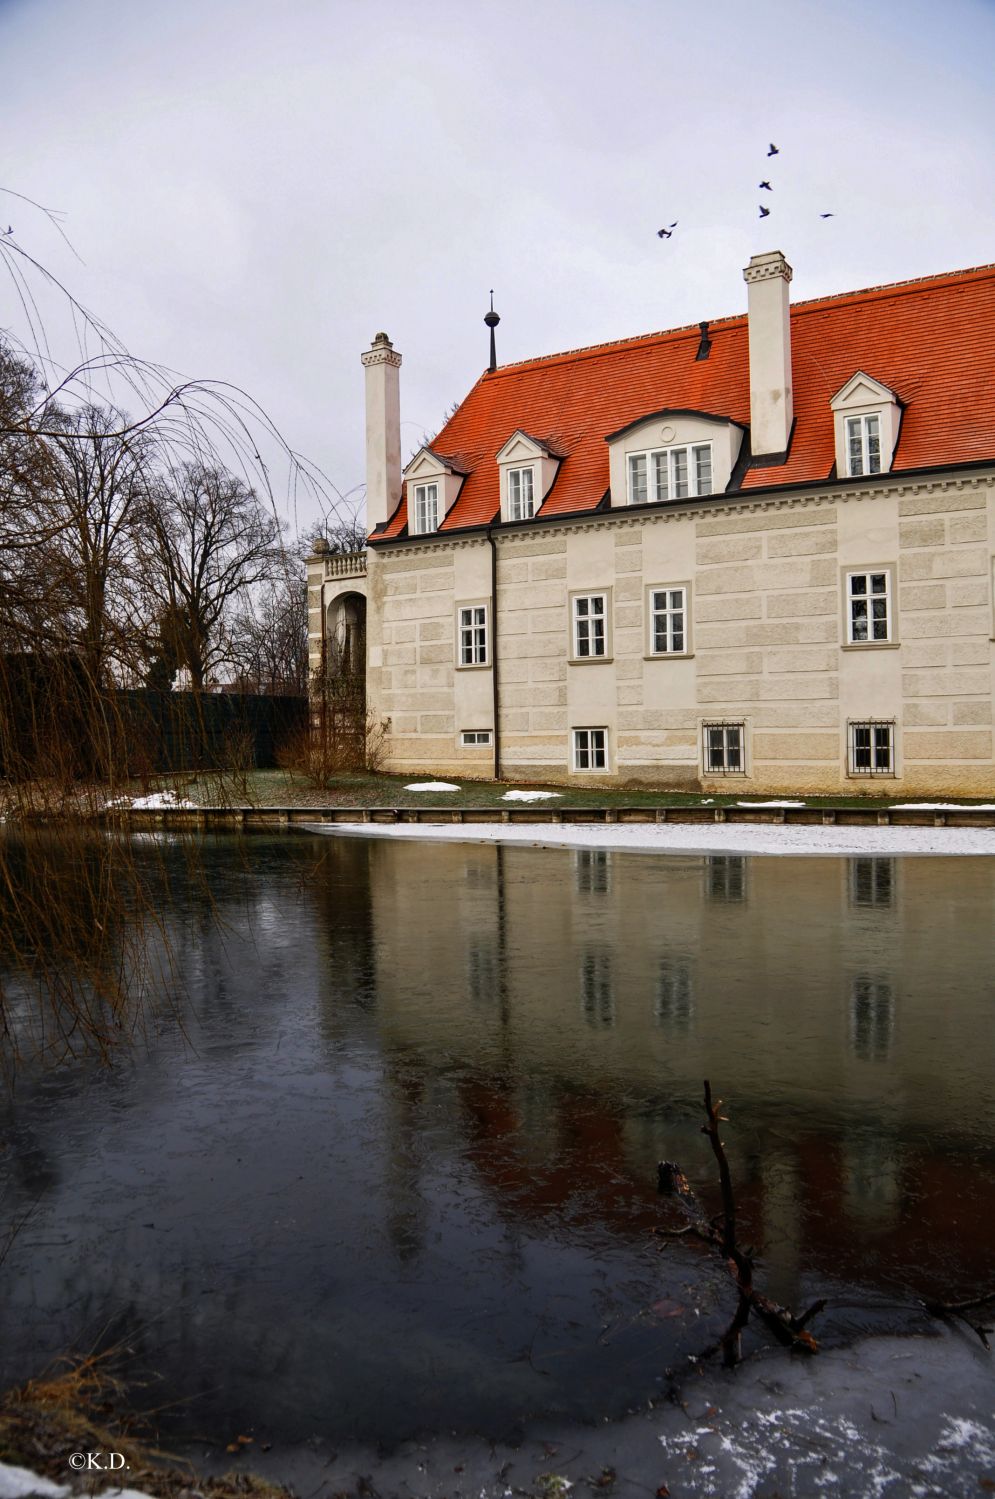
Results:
x,y
433,485
678,473
527,467
867,417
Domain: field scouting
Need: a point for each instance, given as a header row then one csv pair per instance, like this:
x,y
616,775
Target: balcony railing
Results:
x,y
346,565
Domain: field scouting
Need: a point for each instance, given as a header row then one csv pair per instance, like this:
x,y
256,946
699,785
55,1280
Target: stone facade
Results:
x,y
767,641
766,558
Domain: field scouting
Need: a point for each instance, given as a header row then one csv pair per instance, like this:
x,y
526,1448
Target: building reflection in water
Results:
x,y
872,1017
726,877
872,882
592,871
421,1077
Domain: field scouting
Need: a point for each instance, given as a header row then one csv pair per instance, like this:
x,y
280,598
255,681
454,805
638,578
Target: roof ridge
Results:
x,y
731,319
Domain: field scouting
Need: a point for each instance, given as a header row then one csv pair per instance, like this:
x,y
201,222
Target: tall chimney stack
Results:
x,y
383,431
769,318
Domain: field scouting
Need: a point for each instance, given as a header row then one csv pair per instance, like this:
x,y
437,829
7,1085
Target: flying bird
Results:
x,y
666,233
773,150
764,212
767,186
827,215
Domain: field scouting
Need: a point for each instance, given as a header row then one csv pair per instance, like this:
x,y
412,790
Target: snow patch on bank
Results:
x,y
688,838
529,796
431,786
156,801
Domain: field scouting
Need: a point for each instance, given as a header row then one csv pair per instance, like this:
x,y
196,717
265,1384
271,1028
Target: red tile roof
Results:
x,y
932,341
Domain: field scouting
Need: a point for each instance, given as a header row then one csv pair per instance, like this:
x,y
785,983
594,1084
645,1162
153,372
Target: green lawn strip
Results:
x,y
275,788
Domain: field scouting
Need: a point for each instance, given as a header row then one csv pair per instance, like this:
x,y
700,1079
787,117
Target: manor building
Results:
x,y
753,553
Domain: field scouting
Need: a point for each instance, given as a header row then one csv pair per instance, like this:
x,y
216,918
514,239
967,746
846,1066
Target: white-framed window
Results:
x,y
863,444
590,749
670,473
590,625
426,511
473,635
471,737
871,748
521,493
724,748
668,621
868,607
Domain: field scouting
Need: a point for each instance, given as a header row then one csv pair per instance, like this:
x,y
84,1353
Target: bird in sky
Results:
x,y
827,215
764,212
767,186
773,150
666,233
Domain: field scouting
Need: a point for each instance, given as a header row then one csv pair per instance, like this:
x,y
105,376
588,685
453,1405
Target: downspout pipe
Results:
x,y
495,688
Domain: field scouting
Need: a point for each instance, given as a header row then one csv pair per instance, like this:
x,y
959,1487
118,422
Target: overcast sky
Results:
x,y
255,188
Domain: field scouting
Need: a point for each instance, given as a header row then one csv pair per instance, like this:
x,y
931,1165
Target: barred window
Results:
x,y
473,635
872,749
723,746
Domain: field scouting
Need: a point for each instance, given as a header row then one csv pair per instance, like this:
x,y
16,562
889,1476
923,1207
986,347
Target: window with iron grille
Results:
x,y
590,626
724,748
868,608
590,749
426,516
872,748
668,621
473,635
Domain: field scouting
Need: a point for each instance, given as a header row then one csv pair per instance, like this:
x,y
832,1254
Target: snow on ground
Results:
x,y
941,807
687,838
156,801
529,796
771,804
431,786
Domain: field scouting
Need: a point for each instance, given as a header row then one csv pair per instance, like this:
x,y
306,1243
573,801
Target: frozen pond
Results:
x,y
389,1165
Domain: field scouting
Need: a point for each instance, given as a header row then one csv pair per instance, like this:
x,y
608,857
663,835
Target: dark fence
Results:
x,y
207,731
56,726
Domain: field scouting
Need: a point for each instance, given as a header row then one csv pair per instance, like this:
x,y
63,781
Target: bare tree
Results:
x,y
211,538
101,480
269,638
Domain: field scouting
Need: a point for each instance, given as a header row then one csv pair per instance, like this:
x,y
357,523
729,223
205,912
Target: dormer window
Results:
x,y
863,444
867,417
433,483
670,473
426,514
527,467
521,493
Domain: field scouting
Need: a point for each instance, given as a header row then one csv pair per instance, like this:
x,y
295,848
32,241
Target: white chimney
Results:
x,y
769,317
383,431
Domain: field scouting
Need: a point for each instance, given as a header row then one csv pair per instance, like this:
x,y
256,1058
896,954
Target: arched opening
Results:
x,y
345,638
341,705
